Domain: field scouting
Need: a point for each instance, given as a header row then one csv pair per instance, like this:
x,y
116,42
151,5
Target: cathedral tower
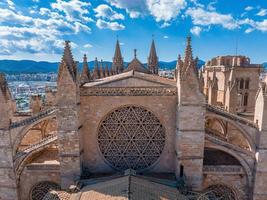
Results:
x,y
190,121
117,64
67,116
152,62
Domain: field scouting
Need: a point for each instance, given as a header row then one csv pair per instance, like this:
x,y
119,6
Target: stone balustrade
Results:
x,y
224,113
236,169
219,141
32,147
33,118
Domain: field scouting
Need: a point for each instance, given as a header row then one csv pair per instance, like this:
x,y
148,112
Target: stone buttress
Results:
x,y
8,183
260,186
68,122
190,121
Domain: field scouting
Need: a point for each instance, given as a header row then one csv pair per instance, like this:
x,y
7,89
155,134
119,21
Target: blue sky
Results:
x,y
36,29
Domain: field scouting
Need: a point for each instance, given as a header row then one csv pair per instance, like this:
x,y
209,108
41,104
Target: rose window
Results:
x,y
131,138
41,189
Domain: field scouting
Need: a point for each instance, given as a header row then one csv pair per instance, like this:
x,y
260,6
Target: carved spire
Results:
x,y
231,98
179,65
96,74
188,67
67,58
152,63
232,78
4,87
85,76
117,63
101,70
188,59
5,103
106,70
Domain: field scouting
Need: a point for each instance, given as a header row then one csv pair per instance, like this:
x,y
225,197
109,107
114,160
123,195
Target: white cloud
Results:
x,y
73,9
262,25
254,25
42,34
106,12
249,30
165,24
10,4
165,10
207,18
249,8
211,7
7,15
115,26
262,12
165,36
88,46
122,43
196,30
134,8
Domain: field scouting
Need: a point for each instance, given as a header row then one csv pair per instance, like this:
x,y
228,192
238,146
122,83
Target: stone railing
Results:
x,y
30,148
42,166
21,157
236,169
215,134
219,141
34,118
224,113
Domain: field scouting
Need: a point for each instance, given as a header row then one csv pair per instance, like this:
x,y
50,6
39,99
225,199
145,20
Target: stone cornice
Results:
x,y
129,91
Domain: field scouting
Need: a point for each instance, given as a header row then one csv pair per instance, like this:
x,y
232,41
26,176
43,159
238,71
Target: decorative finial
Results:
x,y
84,57
153,36
135,53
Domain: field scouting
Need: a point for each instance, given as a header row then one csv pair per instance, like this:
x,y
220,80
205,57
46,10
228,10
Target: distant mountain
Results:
x,y
29,66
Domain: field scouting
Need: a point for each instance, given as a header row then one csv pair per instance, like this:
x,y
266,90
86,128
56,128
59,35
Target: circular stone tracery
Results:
x,y
221,192
41,189
131,138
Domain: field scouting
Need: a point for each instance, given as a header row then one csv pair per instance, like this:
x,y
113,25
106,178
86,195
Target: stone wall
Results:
x,y
95,108
29,178
237,182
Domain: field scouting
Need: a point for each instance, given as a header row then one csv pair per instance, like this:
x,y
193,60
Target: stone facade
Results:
x,y
189,133
246,77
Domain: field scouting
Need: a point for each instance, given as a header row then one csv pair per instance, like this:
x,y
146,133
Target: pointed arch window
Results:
x,y
241,83
245,102
247,84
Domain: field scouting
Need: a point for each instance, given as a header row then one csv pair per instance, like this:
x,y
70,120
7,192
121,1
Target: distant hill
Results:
x,y
29,66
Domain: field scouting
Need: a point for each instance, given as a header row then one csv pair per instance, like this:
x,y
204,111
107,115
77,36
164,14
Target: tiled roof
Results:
x,y
128,187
